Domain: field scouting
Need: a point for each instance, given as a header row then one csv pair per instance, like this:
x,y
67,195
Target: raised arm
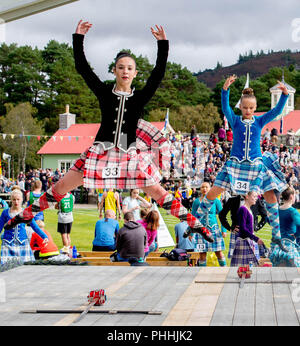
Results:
x,y
38,230
158,72
226,109
273,113
81,64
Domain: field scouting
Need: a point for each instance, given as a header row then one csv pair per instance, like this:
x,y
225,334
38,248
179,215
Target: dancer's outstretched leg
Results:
x,y
53,195
169,203
272,208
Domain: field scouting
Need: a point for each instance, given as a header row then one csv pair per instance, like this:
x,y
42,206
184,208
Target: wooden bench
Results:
x,y
154,259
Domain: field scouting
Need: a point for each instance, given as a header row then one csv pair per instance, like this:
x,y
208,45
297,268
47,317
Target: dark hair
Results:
x,y
129,216
123,54
286,194
130,193
248,93
144,212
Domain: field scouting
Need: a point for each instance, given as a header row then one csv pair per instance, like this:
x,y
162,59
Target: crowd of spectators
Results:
x,y
194,160
25,180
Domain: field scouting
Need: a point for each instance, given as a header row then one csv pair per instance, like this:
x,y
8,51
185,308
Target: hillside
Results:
x,y
255,66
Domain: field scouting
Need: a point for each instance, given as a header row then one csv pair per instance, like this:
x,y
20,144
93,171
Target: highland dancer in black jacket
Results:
x,y
128,151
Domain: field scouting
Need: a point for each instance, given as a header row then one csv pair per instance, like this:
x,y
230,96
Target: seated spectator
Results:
x,y
105,232
131,240
181,242
151,224
40,250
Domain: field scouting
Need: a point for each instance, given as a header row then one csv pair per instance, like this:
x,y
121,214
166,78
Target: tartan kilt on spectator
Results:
x,y
233,237
243,253
252,176
201,245
16,250
280,258
136,168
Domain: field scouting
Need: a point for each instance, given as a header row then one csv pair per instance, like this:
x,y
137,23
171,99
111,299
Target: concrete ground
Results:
x,y
182,296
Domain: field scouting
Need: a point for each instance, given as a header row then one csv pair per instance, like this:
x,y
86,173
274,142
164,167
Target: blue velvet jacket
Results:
x,y
208,219
19,232
246,134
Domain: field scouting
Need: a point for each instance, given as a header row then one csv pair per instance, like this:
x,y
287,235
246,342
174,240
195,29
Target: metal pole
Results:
x,y
8,168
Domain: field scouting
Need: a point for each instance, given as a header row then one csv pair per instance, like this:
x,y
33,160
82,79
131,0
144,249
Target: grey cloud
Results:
x,y
200,32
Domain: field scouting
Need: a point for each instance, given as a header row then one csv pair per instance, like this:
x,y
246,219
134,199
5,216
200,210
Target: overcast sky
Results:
x,y
201,33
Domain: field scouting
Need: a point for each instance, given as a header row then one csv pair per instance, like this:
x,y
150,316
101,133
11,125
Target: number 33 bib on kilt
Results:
x,y
111,172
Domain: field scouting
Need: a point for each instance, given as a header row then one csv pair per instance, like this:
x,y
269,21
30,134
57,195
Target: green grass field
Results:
x,y
82,233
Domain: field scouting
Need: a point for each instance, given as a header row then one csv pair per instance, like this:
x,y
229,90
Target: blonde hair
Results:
x,y
16,192
37,184
15,187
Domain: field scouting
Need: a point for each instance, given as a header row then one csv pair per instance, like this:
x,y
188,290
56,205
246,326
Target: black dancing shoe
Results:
x,y
206,234
12,223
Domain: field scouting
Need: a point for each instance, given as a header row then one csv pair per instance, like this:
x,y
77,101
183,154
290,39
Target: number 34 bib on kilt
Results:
x,y
240,185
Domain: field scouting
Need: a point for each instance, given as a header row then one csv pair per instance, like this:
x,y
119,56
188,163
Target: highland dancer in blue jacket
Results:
x,y
247,169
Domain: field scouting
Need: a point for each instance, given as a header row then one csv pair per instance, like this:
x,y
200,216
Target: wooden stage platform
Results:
x,y
182,296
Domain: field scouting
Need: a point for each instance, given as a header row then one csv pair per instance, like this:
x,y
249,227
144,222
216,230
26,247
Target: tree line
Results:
x,y
36,84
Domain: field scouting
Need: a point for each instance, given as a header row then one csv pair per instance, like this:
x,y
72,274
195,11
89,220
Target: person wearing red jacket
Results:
x,y
36,243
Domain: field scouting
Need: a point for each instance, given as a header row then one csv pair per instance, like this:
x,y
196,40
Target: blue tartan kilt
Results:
x,y
280,258
16,250
242,177
243,253
201,245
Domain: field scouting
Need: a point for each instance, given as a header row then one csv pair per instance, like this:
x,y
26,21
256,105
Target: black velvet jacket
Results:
x,y
120,114
232,205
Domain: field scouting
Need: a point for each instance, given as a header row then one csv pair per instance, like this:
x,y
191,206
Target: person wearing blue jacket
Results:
x,y
209,220
247,169
290,230
15,243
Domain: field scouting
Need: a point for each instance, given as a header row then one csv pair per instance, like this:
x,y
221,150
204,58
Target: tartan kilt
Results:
x,y
280,258
201,245
255,174
233,237
243,253
136,168
17,250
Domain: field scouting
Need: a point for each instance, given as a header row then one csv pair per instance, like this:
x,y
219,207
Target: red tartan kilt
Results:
x,y
115,169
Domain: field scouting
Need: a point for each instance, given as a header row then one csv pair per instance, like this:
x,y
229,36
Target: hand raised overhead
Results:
x,y
229,81
283,88
159,33
83,27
